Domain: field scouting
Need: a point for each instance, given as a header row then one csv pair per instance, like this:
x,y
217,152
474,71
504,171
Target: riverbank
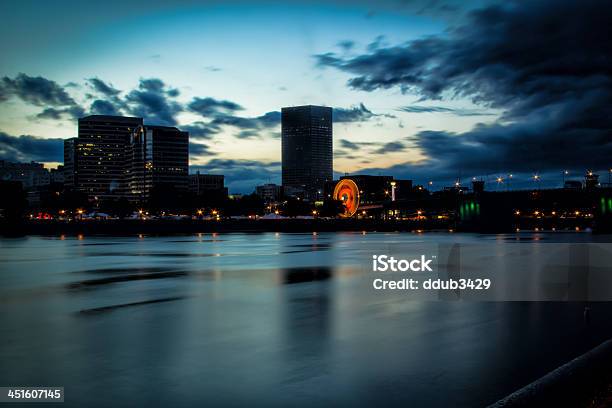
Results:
x,y
582,382
131,227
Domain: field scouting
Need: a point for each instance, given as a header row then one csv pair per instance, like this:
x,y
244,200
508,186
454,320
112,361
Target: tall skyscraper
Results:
x,y
307,155
157,162
99,160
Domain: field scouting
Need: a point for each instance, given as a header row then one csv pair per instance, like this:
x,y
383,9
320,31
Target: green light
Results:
x,y
472,206
610,204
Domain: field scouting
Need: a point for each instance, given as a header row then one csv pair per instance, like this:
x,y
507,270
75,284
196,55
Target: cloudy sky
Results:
x,y
429,90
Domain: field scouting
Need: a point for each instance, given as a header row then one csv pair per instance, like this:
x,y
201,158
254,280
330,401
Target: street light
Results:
x,y
393,184
536,179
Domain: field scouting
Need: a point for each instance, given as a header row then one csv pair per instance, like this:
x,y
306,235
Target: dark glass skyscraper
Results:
x,y
99,159
158,162
307,154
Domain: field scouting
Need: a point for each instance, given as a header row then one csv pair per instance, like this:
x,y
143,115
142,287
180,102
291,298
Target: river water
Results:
x,y
268,320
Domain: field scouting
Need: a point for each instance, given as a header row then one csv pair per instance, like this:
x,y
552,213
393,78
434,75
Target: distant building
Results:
x,y
456,189
57,175
269,192
157,160
202,184
70,175
591,180
403,189
372,189
30,175
478,186
572,185
99,157
307,155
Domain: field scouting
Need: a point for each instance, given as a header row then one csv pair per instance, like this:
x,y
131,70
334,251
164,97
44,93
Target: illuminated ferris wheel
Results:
x,y
347,191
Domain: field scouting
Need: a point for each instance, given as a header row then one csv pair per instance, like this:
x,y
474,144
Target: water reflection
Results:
x,y
308,274
269,320
97,310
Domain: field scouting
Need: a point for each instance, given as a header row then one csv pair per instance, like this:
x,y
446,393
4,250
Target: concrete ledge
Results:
x,y
572,385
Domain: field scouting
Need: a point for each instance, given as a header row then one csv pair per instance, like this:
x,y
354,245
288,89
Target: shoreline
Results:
x,y
162,227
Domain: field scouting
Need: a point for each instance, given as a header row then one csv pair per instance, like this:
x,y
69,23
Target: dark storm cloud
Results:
x,y
390,147
201,130
347,144
211,106
443,109
248,134
108,101
346,45
103,107
340,153
37,91
72,112
242,175
200,149
102,87
546,65
373,147
27,148
266,121
357,113
154,100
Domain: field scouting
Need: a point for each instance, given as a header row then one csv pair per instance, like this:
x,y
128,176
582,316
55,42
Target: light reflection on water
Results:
x,y
265,319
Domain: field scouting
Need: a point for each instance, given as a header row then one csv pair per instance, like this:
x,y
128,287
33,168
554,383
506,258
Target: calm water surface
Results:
x,y
265,319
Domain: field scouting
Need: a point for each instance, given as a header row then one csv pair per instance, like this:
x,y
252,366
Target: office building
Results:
x,y
207,184
30,175
157,161
270,193
99,163
307,156
57,175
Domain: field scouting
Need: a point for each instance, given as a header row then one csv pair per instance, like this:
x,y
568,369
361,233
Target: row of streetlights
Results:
x,y
536,178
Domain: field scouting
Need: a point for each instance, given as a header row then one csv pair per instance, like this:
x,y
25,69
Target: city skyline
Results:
x,y
402,103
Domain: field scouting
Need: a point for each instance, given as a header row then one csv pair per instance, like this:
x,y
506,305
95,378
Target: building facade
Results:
x,y
202,184
270,193
99,155
119,157
30,175
70,175
157,160
307,153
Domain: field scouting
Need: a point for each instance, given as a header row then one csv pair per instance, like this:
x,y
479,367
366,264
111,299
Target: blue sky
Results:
x,y
261,56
